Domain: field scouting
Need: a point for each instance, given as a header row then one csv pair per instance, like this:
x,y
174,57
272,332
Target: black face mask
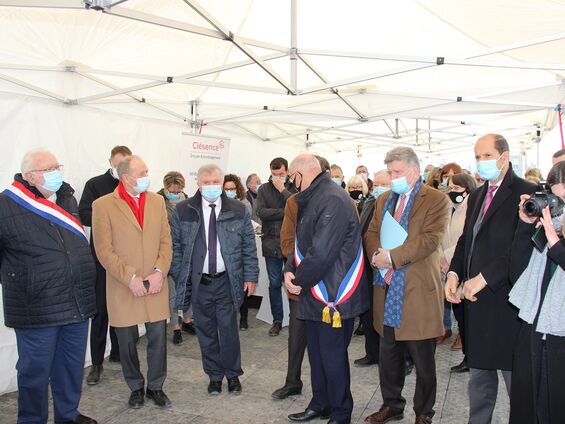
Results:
x,y
456,197
356,194
436,183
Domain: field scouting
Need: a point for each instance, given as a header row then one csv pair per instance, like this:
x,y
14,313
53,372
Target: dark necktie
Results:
x,y
212,241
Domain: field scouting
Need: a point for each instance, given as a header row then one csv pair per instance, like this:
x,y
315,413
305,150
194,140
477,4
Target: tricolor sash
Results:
x,y
346,288
44,208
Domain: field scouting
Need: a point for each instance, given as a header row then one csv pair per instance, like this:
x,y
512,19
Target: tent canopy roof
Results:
x,y
432,74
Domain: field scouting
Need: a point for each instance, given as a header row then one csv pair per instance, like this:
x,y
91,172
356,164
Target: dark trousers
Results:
x,y
296,347
244,309
392,366
459,313
275,267
371,336
483,390
156,355
99,325
216,324
538,378
50,355
329,365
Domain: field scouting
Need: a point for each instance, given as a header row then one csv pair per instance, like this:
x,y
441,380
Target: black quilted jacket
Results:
x,y
47,272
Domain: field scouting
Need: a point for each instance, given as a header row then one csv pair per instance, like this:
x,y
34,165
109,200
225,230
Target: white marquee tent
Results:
x,y
345,79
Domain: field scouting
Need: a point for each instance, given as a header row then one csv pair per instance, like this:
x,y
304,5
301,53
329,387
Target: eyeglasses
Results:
x,y
53,168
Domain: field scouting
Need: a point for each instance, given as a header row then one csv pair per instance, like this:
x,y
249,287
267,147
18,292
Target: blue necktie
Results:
x,y
212,241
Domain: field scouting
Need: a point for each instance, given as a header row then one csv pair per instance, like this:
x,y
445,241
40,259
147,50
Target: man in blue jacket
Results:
x,y
327,274
47,275
215,259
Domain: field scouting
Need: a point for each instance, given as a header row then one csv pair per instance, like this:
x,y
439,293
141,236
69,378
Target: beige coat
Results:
x,y
454,230
422,310
124,249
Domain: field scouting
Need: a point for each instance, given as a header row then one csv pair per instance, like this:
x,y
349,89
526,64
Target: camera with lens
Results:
x,y
534,206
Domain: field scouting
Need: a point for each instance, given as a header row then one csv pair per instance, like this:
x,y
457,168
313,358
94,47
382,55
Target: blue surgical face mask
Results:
x,y
444,183
232,194
400,185
337,180
211,192
377,191
173,197
425,175
142,184
53,181
488,170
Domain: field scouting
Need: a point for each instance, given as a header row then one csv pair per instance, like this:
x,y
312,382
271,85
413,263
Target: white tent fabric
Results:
x,y
345,79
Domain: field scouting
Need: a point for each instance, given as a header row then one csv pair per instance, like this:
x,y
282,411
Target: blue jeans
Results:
x,y
275,272
51,354
446,315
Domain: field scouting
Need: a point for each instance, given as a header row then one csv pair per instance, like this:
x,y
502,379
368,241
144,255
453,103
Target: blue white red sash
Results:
x,y
44,208
346,288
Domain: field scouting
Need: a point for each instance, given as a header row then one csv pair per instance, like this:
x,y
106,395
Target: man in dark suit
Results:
x,y
408,296
215,260
480,263
96,187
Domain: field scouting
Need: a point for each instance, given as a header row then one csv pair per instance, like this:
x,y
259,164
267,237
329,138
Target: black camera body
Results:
x,y
534,206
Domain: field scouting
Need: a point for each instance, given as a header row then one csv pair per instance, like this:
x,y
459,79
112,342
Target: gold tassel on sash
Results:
x,y
336,319
326,315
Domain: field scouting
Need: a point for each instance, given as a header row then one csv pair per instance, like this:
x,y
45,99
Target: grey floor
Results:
x,y
264,362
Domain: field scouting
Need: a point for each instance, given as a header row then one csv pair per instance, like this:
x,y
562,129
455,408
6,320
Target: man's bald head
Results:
x,y
305,168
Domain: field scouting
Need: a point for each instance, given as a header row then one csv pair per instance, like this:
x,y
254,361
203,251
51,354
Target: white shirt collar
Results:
x,y
218,203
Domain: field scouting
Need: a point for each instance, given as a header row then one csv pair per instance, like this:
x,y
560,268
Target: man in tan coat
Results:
x,y
133,242
408,295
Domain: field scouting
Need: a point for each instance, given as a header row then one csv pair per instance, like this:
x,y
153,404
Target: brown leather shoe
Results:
x,y
385,415
457,344
423,419
445,336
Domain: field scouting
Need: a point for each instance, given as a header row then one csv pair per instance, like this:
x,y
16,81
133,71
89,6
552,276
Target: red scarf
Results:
x,y
137,210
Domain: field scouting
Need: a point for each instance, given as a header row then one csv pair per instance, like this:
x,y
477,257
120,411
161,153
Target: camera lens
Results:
x,y
532,208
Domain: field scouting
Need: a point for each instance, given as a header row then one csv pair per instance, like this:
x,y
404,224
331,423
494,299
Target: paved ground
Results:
x,y
264,363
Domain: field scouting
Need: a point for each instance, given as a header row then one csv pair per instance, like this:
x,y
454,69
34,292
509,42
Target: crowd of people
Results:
x,y
403,252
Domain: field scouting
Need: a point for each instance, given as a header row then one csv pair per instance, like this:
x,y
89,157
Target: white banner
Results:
x,y
198,150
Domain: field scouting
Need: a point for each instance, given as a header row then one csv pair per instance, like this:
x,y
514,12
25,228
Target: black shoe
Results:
x,y
285,392
214,388
188,327
94,375
114,357
461,368
234,385
366,361
177,337
159,398
136,399
308,415
275,329
243,325
79,419
409,368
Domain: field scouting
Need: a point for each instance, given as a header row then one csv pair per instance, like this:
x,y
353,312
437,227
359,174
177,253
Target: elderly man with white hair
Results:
x,y
47,274
214,264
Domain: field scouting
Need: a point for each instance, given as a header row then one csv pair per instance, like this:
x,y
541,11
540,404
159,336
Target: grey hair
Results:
x,y
382,171
27,161
209,168
124,165
248,180
402,153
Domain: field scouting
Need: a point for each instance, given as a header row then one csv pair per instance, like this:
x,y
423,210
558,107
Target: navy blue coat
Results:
x,y
47,272
237,245
329,235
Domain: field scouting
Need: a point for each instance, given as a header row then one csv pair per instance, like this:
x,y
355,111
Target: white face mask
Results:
x,y
114,172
